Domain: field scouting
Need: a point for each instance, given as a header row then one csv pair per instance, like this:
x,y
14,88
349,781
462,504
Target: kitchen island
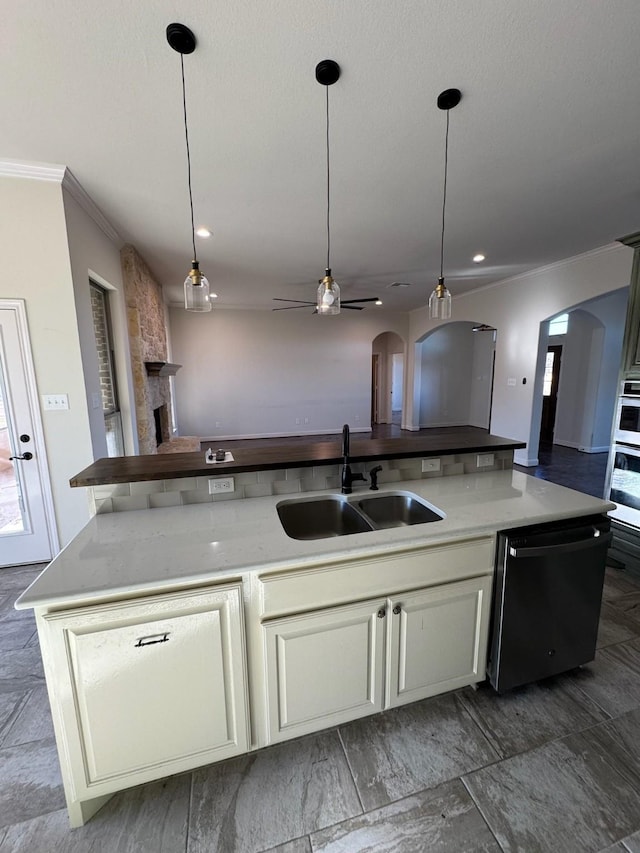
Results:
x,y
179,636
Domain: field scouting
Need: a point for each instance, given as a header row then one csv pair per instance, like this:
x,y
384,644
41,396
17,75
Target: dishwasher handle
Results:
x,y
598,538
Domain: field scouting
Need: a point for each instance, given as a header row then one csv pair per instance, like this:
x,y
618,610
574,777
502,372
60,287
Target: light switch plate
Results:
x,y
55,402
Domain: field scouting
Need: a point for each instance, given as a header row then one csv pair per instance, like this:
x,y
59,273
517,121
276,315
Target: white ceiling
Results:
x,y
544,154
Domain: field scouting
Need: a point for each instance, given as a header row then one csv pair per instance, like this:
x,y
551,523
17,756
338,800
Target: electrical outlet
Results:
x,y
297,421
484,459
430,465
306,420
55,402
96,400
221,484
218,424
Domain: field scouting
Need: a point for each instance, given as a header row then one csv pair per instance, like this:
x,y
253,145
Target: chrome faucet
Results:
x,y
347,477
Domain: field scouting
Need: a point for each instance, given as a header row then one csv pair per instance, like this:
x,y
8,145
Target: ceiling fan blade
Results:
x,y
351,307
290,307
301,301
347,301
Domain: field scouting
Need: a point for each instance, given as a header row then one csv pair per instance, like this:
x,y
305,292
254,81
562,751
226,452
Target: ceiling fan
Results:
x,y
344,303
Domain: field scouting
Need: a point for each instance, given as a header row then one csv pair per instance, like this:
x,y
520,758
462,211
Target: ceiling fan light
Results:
x,y
328,295
196,291
440,302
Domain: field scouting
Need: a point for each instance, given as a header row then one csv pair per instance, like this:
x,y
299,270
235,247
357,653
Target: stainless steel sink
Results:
x,y
398,509
321,518
337,515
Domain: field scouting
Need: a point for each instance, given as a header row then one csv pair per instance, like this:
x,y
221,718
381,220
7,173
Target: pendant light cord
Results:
x,y
444,194
328,188
186,136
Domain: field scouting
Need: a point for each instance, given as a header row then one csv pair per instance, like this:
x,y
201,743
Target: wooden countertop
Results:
x,y
131,469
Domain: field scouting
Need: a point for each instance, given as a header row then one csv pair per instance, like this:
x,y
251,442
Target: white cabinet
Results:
x,y
144,689
324,668
437,640
327,667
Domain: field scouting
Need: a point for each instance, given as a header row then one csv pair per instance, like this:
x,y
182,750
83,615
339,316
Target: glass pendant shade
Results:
x,y
196,291
328,295
440,302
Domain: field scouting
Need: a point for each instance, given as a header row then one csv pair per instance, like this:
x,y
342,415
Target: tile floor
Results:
x,y
552,767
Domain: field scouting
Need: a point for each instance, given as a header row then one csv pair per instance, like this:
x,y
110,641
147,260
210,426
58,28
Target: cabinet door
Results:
x,y
149,688
437,640
323,668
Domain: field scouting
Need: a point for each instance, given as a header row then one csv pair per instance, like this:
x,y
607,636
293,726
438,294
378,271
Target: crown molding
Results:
x,y
39,171
64,176
73,186
564,262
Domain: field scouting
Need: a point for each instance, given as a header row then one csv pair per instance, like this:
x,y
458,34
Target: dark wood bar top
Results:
x,y
131,469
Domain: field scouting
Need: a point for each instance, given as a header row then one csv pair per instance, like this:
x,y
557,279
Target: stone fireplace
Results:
x,y
149,358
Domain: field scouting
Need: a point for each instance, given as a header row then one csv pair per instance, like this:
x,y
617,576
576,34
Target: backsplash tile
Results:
x,y
123,504
121,497
161,499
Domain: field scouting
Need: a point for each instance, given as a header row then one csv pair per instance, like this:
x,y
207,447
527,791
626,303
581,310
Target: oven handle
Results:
x,y
598,538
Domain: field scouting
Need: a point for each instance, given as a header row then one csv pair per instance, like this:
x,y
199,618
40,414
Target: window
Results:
x,y
559,325
106,366
548,374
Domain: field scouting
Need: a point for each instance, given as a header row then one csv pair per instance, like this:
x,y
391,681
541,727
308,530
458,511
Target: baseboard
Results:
x,y
581,447
443,424
333,431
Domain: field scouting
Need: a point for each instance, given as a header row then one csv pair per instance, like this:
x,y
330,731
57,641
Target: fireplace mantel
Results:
x,y
161,368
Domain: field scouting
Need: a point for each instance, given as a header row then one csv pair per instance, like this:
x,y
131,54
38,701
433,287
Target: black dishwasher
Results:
x,y
546,599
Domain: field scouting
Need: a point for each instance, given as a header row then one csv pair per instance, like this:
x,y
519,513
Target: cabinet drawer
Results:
x,y
327,585
152,687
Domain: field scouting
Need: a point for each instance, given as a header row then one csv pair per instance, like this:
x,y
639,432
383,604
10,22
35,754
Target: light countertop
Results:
x,y
125,554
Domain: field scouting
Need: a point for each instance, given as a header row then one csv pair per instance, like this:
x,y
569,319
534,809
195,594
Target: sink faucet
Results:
x,y
347,477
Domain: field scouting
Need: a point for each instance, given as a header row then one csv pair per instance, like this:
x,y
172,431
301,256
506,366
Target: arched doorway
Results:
x,y
590,345
387,379
456,375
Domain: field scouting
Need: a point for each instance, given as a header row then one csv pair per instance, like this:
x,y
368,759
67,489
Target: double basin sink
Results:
x,y
337,515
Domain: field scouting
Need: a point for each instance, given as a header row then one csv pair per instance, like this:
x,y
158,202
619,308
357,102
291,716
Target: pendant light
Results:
x,y
196,286
328,299
440,299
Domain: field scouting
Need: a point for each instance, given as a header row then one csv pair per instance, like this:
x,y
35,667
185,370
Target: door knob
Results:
x,y
26,456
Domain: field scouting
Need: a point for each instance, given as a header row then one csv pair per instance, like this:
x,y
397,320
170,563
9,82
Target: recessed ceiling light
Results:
x,y
213,296
203,232
378,301
478,259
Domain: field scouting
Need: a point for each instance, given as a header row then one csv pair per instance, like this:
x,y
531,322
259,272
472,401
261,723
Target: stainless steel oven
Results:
x,y
625,483
628,420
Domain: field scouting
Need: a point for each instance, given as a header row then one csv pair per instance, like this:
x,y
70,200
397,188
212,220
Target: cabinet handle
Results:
x,y
397,609
152,640
382,612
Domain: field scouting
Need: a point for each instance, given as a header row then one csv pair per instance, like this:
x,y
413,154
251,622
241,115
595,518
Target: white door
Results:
x,y
27,533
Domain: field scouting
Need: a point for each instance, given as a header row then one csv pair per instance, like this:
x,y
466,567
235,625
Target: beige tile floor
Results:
x,y
551,767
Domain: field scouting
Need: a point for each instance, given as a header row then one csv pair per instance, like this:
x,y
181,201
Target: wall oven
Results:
x,y
625,483
628,420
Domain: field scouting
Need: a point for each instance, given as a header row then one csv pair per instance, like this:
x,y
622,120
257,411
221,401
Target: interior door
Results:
x,y
550,393
26,529
374,388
